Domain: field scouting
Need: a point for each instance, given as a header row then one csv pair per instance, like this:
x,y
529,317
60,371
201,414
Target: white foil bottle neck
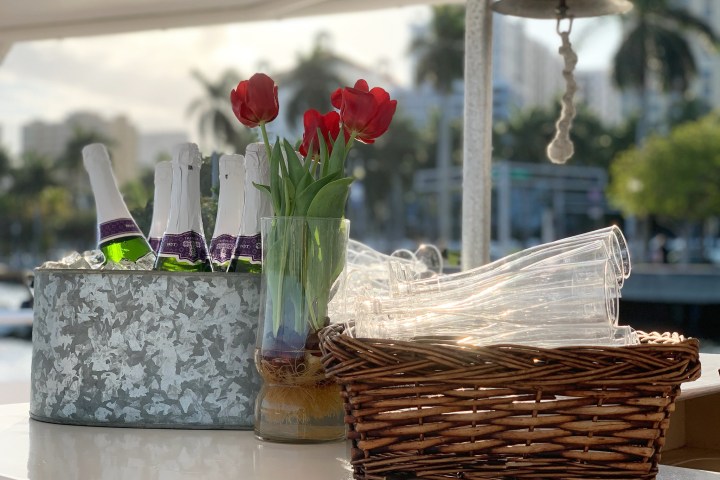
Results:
x,y
231,199
185,212
109,203
161,199
257,203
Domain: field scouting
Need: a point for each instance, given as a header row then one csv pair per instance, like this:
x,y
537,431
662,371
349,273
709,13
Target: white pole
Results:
x,y
477,148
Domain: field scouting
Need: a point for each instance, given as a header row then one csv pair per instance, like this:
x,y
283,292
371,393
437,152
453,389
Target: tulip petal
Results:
x,y
329,126
336,98
361,85
381,122
262,97
358,109
381,96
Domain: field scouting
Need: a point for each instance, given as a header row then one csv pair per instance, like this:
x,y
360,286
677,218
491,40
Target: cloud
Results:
x,y
146,75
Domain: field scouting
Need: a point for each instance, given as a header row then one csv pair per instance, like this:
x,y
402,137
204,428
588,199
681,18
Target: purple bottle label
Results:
x,y
188,246
221,248
121,227
154,243
249,248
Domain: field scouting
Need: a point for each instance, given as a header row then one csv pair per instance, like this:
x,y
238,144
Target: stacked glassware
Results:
x,y
560,293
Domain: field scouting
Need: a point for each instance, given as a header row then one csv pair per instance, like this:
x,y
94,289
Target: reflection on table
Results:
x,y
41,451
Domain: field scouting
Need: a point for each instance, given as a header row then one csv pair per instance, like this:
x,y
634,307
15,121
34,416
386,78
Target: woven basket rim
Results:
x,y
654,339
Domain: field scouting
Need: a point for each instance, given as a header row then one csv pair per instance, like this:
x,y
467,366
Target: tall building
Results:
x,y
525,72
50,139
597,91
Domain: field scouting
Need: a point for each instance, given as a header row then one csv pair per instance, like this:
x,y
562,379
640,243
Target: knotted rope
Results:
x,y
561,149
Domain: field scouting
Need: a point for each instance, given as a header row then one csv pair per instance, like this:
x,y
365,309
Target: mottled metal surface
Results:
x,y
145,349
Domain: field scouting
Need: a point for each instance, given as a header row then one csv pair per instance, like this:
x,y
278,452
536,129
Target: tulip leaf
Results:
x,y
337,158
289,192
306,196
324,164
307,161
275,182
330,199
263,188
304,182
295,168
281,160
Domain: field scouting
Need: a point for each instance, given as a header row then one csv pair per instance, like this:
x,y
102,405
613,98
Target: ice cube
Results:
x,y
144,263
94,258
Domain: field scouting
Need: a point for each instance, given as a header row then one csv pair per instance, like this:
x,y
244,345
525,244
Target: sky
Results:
x,y
146,75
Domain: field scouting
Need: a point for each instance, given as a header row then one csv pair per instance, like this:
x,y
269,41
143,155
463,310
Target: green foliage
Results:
x,y
312,188
32,177
138,196
40,213
4,162
400,152
677,176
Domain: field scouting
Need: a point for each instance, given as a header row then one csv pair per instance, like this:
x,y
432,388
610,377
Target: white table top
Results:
x,y
41,451
709,381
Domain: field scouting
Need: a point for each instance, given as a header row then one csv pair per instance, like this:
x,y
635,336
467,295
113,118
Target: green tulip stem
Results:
x,y
263,131
349,144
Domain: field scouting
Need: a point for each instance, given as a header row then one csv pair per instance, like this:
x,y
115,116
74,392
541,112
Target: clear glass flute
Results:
x,y
558,295
404,281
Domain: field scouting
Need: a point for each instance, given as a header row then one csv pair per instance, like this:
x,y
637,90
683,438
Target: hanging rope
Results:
x,y
561,149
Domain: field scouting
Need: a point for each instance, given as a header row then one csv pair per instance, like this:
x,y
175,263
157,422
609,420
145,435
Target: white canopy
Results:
x,y
41,19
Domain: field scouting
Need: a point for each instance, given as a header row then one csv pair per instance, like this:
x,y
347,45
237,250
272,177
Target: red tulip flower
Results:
x,y
255,101
329,126
365,114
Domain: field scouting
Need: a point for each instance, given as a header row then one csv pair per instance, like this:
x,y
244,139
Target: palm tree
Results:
x,y
656,50
441,57
655,55
32,177
314,76
214,112
442,50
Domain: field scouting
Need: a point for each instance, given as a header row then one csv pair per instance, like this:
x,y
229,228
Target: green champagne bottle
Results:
x,y
119,237
230,210
183,247
248,247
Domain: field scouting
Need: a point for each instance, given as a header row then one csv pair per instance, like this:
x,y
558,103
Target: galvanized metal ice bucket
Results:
x,y
145,348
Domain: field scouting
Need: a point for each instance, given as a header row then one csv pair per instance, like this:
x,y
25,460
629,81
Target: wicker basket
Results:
x,y
436,410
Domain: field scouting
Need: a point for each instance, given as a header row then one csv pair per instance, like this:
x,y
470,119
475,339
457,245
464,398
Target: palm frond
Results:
x,y
689,23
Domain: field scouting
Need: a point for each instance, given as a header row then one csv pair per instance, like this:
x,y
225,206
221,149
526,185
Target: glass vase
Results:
x,y
303,259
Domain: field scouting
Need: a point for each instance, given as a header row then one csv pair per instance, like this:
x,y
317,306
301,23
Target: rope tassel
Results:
x,y
561,148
